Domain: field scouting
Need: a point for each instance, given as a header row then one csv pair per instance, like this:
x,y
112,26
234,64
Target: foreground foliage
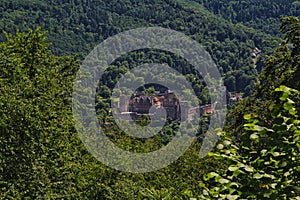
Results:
x,y
266,163
41,155
262,138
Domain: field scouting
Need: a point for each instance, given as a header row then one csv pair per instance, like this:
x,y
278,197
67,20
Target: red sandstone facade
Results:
x,y
142,104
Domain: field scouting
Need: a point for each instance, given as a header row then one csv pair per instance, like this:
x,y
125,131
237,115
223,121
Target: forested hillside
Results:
x,y
41,153
260,15
75,27
261,141
42,156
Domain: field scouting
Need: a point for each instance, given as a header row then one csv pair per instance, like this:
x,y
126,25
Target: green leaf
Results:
x,y
257,176
234,184
284,96
188,193
247,116
292,111
259,161
282,88
232,197
211,154
283,164
226,142
287,106
233,168
259,128
248,169
254,137
210,175
276,154
263,151
223,181
237,172
290,101
201,184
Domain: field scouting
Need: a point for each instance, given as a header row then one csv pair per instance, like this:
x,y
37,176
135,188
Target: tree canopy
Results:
x,y
41,155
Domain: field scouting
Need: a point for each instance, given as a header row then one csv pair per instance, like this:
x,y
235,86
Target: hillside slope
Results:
x,y
75,27
261,15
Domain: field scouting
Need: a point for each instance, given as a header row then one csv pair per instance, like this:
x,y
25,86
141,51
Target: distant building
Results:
x,y
234,97
207,109
141,104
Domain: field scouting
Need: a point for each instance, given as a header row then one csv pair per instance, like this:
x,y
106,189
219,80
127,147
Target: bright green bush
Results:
x,y
265,163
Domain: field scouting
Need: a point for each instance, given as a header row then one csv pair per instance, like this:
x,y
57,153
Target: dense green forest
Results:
x,y
75,27
41,154
260,15
264,154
